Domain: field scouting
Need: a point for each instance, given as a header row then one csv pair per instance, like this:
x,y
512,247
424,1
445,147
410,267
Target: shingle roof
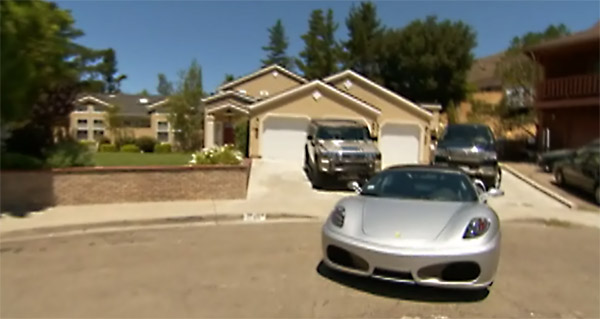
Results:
x,y
589,35
483,72
128,103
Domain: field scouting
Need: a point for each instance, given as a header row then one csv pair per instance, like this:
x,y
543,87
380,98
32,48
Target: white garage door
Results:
x,y
283,138
399,144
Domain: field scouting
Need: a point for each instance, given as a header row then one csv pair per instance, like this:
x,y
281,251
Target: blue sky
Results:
x,y
226,36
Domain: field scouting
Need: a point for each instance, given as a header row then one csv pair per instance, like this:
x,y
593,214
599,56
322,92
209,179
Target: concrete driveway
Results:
x,y
272,271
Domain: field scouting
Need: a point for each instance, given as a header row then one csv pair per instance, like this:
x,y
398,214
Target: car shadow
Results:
x,y
331,186
399,290
575,192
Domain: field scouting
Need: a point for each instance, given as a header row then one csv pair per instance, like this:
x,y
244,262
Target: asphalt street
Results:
x,y
273,270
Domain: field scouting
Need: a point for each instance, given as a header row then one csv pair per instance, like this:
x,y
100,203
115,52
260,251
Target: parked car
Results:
x,y
581,170
471,147
547,160
340,150
416,224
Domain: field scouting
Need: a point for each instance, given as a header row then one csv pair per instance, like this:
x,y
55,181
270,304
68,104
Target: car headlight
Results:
x,y
477,227
490,156
338,215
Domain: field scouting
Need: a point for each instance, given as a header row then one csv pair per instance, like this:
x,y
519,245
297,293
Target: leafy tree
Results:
x,y
108,71
429,60
164,88
365,34
321,53
42,72
520,73
228,78
144,92
185,112
277,47
114,121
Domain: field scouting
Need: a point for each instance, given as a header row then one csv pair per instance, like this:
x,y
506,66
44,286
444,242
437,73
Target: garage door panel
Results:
x,y
399,144
283,138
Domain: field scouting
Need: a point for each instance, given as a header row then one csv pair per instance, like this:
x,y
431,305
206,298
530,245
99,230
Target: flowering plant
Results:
x,y
226,154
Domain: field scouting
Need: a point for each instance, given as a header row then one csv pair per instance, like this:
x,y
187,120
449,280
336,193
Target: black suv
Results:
x,y
340,150
472,148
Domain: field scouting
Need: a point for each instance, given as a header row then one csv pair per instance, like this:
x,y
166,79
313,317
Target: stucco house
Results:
x,y
278,105
140,116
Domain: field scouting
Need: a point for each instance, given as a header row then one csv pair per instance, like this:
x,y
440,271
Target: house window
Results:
x,y
82,123
99,124
98,134
162,126
82,134
162,136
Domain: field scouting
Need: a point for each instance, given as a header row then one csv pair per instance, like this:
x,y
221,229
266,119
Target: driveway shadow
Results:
x,y
579,194
401,291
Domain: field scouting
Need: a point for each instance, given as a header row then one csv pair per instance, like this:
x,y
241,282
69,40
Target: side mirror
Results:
x,y
495,192
309,137
353,185
374,138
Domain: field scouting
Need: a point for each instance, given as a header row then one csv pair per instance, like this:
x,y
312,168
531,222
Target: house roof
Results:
x,y
260,72
483,72
381,89
589,35
229,93
316,84
130,104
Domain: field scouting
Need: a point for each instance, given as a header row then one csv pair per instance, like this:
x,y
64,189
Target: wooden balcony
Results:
x,y
572,87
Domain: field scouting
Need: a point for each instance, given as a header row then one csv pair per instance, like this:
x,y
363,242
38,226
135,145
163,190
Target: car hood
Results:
x,y
408,220
348,146
465,145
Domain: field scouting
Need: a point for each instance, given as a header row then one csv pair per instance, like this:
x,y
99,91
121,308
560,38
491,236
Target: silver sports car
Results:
x,y
416,224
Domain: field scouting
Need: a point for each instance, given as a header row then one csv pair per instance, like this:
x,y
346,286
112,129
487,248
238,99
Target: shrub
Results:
x,y
124,140
103,140
241,137
69,153
218,155
20,161
107,148
146,144
130,148
91,145
162,148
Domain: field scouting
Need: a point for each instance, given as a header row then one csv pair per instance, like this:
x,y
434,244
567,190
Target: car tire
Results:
x,y
559,178
597,194
316,178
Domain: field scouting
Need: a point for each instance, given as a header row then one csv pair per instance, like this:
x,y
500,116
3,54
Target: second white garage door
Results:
x,y
283,138
399,144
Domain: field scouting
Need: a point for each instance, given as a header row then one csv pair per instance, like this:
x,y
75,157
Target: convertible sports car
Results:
x,y
425,225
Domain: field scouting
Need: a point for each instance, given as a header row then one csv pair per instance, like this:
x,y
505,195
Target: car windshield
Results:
x,y
342,133
467,135
422,185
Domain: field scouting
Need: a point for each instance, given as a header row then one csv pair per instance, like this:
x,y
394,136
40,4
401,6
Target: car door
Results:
x,y
574,173
589,172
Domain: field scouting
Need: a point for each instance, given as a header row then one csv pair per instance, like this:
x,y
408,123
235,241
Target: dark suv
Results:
x,y
340,150
472,148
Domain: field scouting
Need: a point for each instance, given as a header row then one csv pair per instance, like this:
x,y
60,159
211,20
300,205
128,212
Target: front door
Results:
x,y
228,134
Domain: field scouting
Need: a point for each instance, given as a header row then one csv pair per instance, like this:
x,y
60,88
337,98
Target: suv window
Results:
x,y
342,133
466,133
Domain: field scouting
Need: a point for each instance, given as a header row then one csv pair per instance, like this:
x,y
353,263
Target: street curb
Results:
x,y
222,219
539,187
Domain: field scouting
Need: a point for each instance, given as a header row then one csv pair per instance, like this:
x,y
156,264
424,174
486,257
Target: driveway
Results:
x,y
272,270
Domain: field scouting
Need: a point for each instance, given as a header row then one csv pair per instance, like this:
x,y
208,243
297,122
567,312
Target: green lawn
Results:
x,y
139,159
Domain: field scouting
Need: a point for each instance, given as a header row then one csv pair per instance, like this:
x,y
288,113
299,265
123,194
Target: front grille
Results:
x,y
392,274
354,156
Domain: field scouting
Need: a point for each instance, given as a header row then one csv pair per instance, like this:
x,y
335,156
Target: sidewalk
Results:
x,y
69,216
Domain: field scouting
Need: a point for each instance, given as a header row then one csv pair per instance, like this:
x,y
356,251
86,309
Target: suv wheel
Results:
x,y
597,194
316,178
559,178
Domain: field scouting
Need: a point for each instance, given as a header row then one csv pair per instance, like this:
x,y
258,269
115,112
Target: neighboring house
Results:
x,y
568,97
279,105
140,116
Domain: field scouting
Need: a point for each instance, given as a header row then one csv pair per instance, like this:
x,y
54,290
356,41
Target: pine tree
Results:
x,y
365,34
277,47
164,88
321,53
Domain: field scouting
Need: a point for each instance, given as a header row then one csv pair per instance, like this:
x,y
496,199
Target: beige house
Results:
x,y
279,104
140,115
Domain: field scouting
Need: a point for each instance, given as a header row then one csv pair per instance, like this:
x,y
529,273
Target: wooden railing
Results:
x,y
569,87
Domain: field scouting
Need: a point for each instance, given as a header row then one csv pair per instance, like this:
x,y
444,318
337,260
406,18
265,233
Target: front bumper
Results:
x,y
481,171
349,170
411,265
